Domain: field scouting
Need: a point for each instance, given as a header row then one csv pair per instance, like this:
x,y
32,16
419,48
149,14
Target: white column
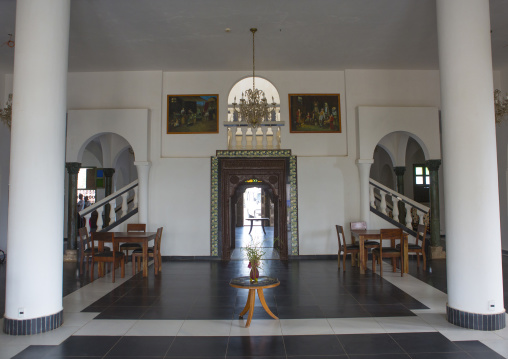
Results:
x,y
36,220
364,171
143,172
473,239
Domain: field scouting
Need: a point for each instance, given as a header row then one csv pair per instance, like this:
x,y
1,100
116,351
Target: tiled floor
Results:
x,y
189,310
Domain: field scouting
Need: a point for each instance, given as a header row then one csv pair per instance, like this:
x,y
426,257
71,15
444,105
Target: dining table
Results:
x,y
137,237
375,234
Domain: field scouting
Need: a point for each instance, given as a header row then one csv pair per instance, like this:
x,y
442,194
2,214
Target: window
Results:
x,y
86,177
421,183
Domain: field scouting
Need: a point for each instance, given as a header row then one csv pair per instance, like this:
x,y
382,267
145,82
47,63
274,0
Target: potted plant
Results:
x,y
254,253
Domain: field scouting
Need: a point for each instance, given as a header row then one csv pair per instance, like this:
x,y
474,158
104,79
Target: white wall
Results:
x,y
5,145
501,83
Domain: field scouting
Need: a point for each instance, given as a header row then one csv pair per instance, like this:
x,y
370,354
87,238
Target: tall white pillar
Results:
x,y
473,239
36,219
364,171
143,174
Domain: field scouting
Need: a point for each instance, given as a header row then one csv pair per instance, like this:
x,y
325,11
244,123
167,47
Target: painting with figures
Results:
x,y
314,113
193,114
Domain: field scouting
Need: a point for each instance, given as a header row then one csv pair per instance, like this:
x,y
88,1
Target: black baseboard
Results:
x,y
190,258
313,256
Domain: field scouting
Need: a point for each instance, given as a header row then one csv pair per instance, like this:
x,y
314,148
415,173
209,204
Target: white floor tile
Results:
x,y
404,324
457,333
106,327
258,327
78,319
355,326
8,351
305,326
205,328
155,328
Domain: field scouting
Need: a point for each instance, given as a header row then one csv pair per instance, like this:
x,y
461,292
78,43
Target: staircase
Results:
x,y
396,208
120,205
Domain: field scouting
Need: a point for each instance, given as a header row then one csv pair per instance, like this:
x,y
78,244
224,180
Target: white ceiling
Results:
x,y
189,35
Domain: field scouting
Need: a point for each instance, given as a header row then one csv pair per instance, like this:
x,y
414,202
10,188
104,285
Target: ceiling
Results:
x,y
189,35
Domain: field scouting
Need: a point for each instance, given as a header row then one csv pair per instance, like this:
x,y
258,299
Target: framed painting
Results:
x,y
193,114
314,113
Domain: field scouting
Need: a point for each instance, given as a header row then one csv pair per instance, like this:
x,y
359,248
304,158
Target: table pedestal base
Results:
x,y
249,307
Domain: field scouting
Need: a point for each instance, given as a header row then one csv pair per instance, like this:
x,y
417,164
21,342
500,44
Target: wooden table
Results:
x,y
375,234
257,219
137,237
262,283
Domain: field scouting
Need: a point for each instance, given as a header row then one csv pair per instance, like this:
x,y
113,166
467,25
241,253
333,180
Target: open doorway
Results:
x,y
254,222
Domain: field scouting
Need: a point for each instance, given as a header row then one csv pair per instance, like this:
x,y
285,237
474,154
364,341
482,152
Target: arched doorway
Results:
x,y
235,174
253,199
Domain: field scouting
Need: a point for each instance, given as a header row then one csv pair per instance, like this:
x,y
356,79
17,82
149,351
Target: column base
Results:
x,y
33,326
70,255
437,252
485,322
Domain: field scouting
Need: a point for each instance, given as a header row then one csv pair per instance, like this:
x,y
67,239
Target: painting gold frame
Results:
x,y
314,113
192,114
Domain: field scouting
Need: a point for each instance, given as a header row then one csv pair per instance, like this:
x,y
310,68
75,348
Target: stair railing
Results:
x,y
386,195
117,211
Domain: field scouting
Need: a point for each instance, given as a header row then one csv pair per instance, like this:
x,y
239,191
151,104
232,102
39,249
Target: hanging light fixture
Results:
x,y
501,106
254,107
6,112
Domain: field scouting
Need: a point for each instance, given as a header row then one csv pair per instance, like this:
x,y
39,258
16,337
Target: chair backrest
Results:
x,y
358,226
340,231
391,233
108,237
158,238
136,227
420,234
84,239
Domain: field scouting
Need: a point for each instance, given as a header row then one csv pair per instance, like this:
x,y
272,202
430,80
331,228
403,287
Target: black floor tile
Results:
x,y
198,346
425,343
84,346
348,311
369,344
300,312
456,355
35,352
380,356
132,346
313,345
114,312
256,346
166,312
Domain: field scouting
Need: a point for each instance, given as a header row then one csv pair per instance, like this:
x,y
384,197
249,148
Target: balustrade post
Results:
x,y
383,203
254,138
244,137
372,196
364,172
135,199
232,142
395,210
275,139
264,129
100,221
87,221
407,207
125,205
112,211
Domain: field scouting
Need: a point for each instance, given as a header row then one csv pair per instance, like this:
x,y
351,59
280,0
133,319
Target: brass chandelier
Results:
x,y
254,107
501,106
6,112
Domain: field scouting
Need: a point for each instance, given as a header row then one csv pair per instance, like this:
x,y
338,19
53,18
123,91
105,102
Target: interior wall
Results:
x,y
5,146
501,83
378,170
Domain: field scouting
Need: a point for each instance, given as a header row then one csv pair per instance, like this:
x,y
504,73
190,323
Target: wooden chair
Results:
x,y
153,252
85,249
100,257
392,252
362,226
132,227
345,249
418,249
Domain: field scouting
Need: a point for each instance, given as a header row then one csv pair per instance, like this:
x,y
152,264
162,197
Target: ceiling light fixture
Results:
x,y
254,107
501,106
6,112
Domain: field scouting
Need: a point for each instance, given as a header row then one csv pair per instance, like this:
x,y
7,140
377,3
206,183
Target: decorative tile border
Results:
x,y
214,193
485,322
33,326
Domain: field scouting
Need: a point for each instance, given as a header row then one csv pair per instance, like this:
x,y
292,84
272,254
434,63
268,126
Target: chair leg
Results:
x,y
394,264
91,274
401,266
373,263
113,272
338,260
122,266
417,260
424,261
380,260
